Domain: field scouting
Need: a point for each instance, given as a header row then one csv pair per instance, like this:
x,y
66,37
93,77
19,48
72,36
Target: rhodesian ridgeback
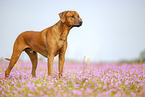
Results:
x,y
48,42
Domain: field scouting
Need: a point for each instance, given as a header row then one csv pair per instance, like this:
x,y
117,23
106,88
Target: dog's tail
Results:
x,y
8,59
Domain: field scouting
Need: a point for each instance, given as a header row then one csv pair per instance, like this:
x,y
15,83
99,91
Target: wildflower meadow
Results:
x,y
79,80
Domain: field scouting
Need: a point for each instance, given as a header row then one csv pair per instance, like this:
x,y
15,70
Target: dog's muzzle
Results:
x,y
79,24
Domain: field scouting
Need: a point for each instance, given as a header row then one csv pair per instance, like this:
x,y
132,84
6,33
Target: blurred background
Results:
x,y
112,30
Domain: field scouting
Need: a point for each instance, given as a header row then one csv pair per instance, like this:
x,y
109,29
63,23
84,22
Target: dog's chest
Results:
x,y
60,43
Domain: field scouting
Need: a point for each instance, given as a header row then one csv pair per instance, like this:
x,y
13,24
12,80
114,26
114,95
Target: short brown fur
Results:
x,y
49,43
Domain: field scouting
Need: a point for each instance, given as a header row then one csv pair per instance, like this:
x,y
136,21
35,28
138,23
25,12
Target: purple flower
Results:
x,y
77,92
105,87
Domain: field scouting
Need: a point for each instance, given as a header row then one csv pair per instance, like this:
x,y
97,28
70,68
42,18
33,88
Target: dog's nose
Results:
x,y
80,22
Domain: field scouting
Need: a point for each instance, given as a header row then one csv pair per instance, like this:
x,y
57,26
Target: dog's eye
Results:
x,y
72,16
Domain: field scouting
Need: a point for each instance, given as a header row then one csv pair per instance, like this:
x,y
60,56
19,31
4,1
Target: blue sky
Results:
x,y
111,30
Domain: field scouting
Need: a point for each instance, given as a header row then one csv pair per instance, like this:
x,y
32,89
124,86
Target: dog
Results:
x,y
48,42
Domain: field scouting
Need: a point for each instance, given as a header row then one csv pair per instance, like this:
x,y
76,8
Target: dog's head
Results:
x,y
71,18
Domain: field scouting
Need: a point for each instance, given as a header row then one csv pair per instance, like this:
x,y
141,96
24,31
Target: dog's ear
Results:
x,y
62,16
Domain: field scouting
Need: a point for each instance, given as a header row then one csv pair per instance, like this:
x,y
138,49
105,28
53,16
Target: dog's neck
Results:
x,y
64,30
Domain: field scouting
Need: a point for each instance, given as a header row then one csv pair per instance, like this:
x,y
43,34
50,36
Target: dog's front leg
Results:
x,y
61,63
62,59
50,64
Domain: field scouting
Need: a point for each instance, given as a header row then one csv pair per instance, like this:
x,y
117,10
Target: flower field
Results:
x,y
79,80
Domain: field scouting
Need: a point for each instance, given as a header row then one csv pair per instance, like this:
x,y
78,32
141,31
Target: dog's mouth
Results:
x,y
76,25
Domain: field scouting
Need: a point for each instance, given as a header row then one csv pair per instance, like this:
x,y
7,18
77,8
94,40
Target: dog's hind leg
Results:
x,y
19,46
13,60
33,57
